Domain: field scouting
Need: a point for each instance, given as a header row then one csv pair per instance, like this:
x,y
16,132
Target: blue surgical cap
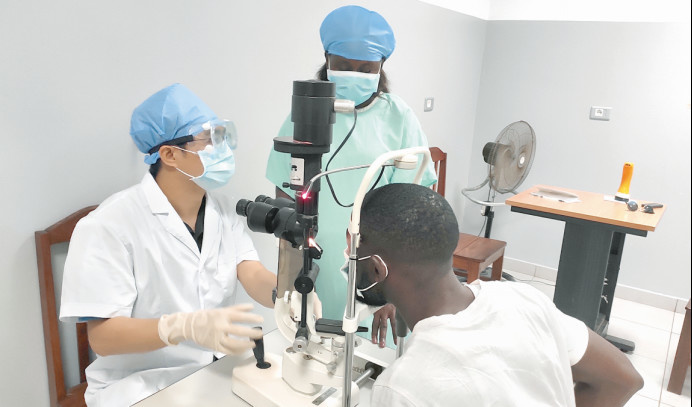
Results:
x,y
354,32
167,115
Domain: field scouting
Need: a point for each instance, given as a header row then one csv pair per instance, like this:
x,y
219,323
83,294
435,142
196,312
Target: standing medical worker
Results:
x,y
356,44
154,269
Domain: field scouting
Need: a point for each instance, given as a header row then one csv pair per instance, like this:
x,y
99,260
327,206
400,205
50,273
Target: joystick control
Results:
x,y
258,350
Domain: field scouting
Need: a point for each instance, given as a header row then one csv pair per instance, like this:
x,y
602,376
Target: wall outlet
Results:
x,y
429,103
600,113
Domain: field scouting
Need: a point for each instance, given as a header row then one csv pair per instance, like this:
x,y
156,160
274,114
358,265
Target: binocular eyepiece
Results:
x,y
272,215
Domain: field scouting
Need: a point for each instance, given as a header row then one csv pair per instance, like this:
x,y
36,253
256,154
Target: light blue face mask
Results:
x,y
219,166
355,86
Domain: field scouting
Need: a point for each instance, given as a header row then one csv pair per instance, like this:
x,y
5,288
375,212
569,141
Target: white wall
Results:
x,y
591,10
72,71
549,74
571,10
476,8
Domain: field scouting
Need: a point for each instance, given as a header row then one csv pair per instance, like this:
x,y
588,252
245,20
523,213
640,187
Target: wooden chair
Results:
x,y
439,159
682,356
473,253
60,232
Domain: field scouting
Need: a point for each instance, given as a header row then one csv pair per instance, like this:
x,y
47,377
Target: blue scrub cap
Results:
x,y
166,115
354,32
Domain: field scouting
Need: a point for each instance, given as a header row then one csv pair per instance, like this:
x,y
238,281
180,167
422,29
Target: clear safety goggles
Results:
x,y
216,133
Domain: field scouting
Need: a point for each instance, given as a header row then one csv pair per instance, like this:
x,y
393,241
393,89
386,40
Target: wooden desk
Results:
x,y
592,246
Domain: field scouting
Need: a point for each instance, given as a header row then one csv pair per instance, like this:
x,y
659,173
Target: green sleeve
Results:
x,y
413,136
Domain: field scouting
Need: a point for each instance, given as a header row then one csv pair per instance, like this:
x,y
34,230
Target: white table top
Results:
x,y
211,385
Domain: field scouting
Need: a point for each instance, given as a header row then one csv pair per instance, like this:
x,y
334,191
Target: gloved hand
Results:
x,y
211,328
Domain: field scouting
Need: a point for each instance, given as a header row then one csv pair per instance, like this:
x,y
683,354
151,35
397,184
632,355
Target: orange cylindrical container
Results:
x,y
623,193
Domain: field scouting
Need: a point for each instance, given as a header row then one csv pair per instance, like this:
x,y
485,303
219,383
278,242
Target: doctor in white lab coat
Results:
x,y
154,269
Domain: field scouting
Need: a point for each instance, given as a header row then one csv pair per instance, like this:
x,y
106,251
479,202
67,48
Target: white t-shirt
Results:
x,y
510,347
134,257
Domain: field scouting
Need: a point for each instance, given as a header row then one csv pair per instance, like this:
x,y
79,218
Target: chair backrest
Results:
x,y
60,232
439,159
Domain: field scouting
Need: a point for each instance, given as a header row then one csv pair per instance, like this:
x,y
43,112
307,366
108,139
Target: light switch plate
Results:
x,y
600,113
429,103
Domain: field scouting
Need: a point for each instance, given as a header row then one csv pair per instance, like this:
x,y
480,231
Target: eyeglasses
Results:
x,y
216,133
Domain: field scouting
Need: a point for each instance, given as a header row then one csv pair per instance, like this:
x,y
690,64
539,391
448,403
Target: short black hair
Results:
x,y
409,223
155,168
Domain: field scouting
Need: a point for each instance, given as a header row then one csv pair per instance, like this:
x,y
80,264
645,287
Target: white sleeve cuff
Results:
x,y
578,339
72,312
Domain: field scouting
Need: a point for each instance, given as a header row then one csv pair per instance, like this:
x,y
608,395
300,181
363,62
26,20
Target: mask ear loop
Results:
x,y
386,273
184,149
183,172
192,177
386,268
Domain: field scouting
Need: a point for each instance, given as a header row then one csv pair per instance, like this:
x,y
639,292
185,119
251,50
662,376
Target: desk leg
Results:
x,y
611,277
581,272
614,257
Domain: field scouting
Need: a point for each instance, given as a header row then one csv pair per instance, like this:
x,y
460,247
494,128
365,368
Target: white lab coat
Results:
x,y
134,257
510,347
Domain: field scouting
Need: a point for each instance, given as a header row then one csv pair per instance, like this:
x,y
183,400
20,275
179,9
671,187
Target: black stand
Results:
x,y
588,271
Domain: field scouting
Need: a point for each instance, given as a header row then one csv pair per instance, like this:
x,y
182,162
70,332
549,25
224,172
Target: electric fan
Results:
x,y
509,160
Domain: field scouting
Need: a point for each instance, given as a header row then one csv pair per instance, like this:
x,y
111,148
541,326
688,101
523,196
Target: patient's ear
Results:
x,y
381,271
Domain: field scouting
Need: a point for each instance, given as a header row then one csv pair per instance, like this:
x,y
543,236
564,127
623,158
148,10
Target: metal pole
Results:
x,y
401,332
364,376
350,314
490,215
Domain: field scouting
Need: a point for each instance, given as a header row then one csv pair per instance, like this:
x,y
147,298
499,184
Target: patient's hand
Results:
x,y
379,324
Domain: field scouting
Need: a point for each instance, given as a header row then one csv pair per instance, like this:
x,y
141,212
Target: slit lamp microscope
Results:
x,y
318,368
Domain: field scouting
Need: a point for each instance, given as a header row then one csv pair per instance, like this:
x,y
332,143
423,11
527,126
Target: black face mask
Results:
x,y
372,297
369,294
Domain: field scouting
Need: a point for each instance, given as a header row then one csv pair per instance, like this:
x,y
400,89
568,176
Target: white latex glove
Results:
x,y
211,328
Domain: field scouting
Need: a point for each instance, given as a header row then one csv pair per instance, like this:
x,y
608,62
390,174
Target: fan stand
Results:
x,y
489,215
512,151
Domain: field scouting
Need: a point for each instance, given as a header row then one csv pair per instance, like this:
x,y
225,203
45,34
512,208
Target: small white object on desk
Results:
x,y
556,195
613,199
